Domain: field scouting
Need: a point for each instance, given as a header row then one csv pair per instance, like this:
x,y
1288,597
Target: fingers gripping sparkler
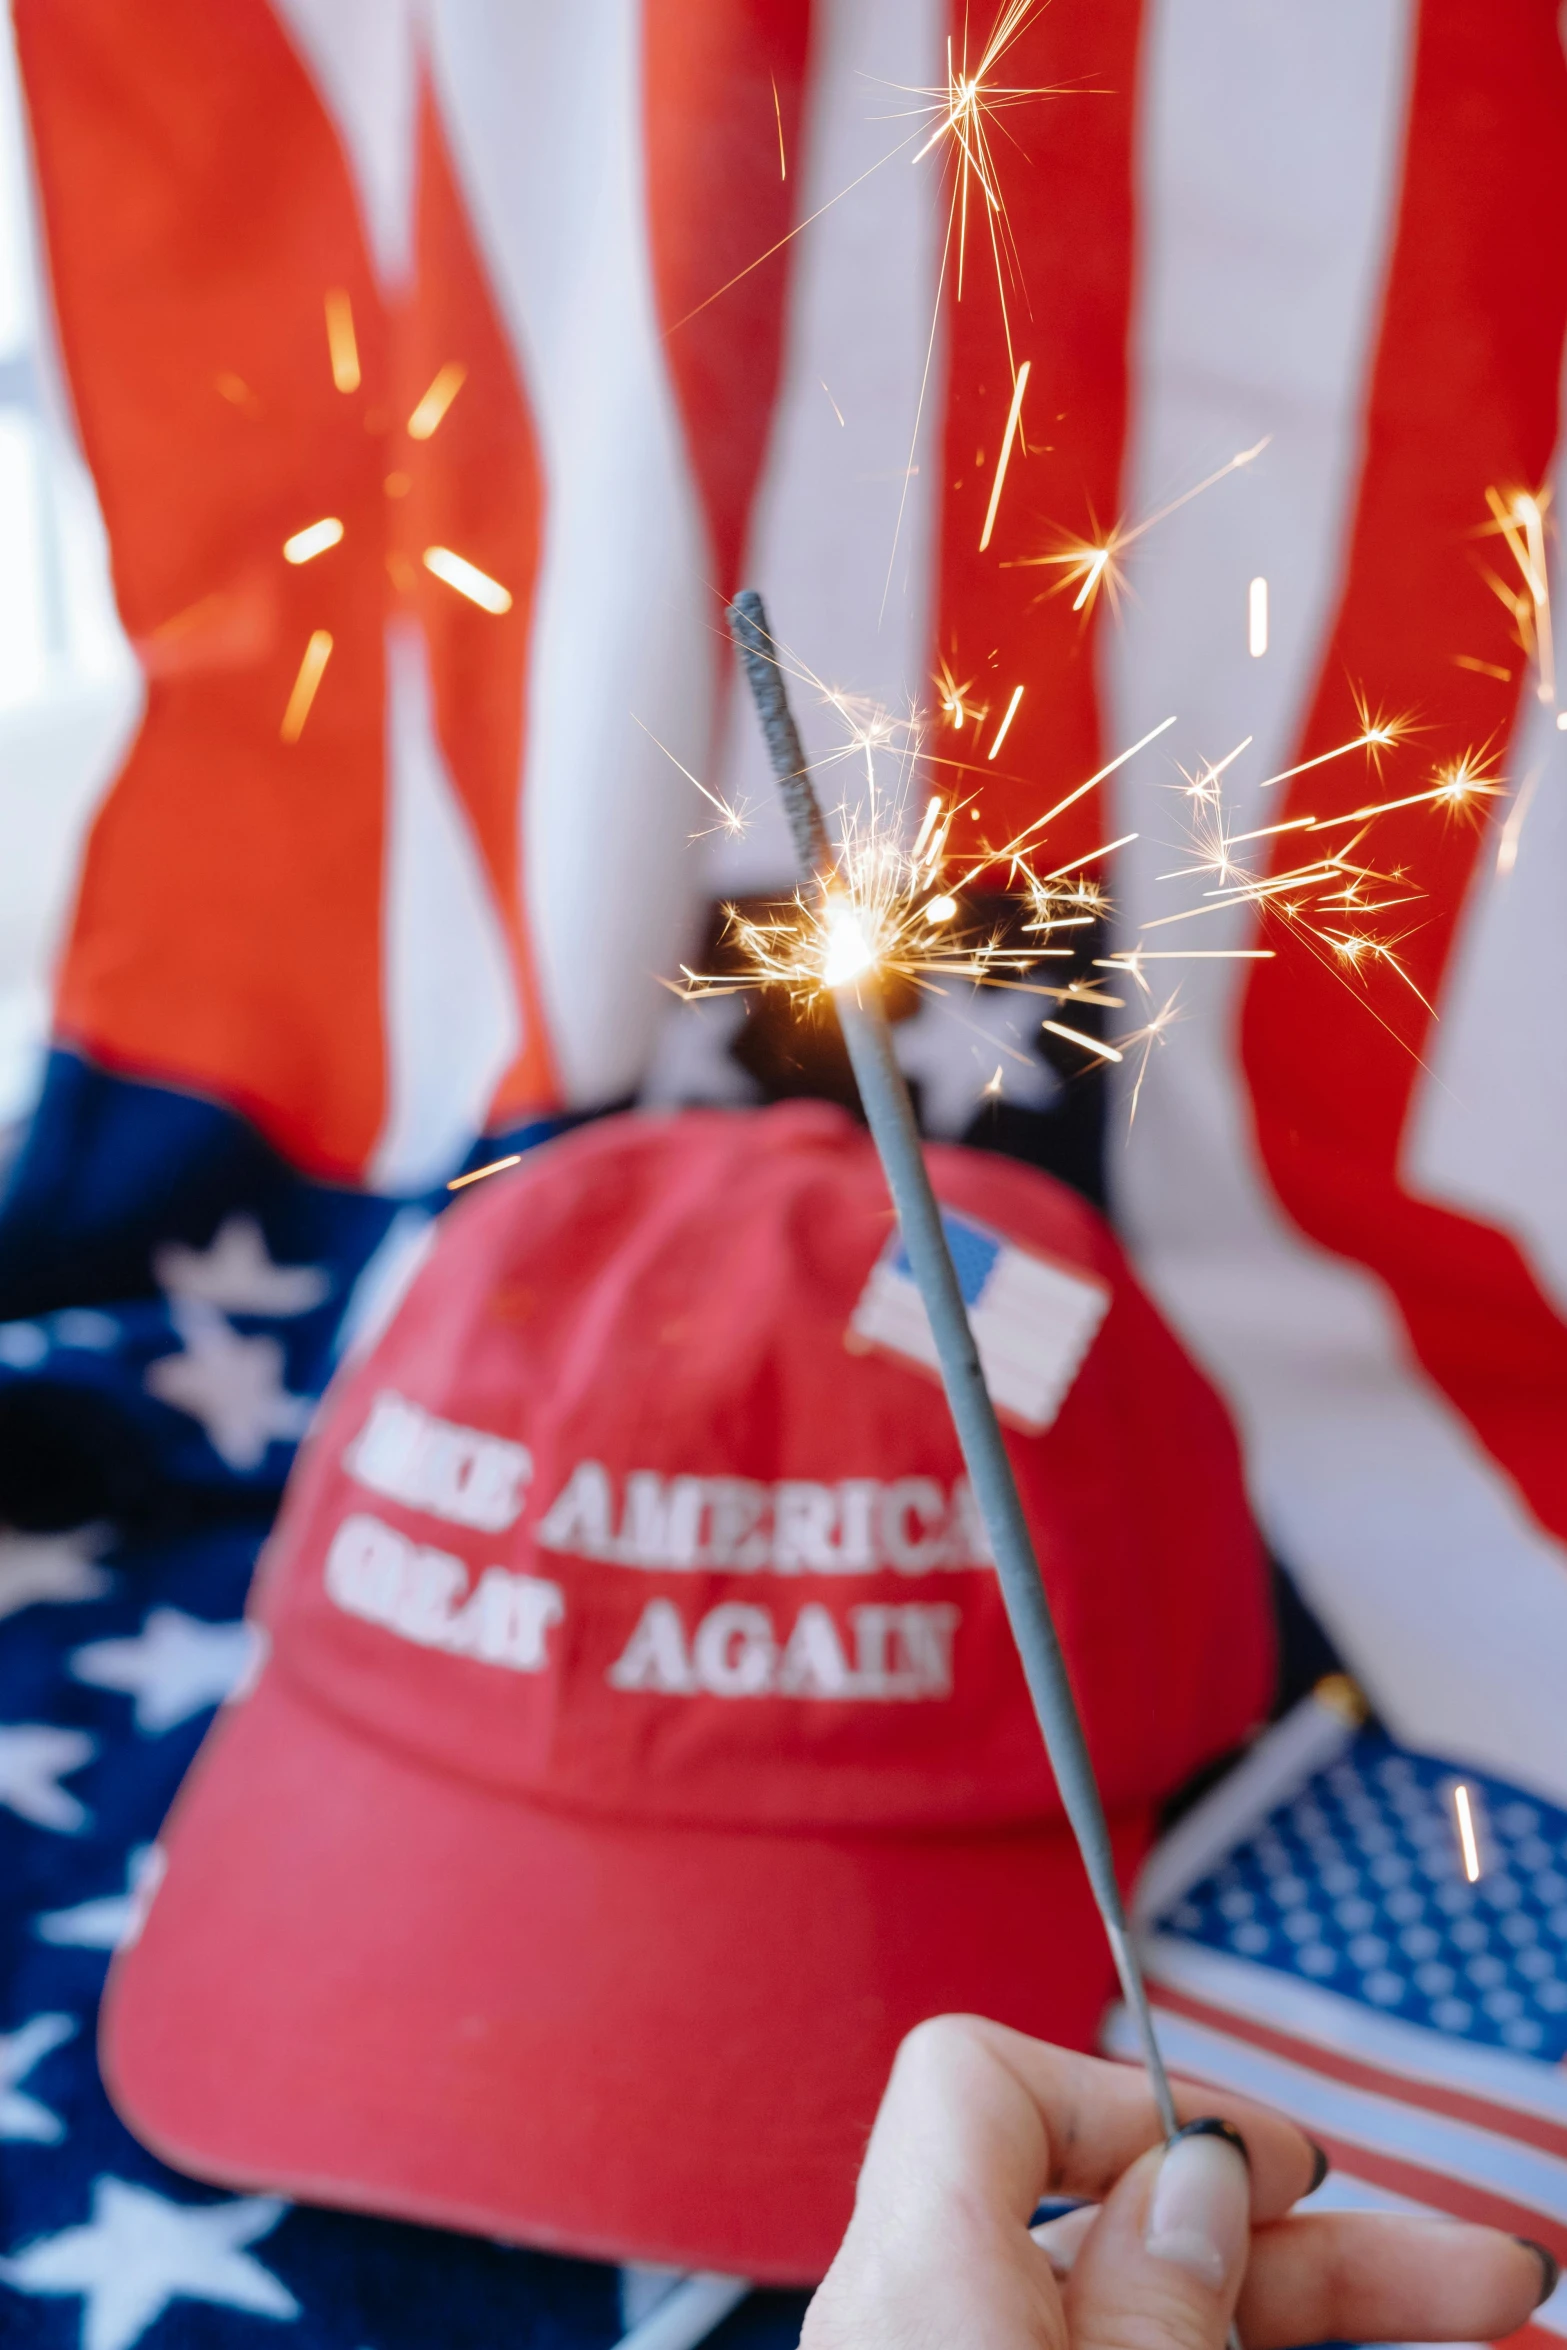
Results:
x,y
891,1120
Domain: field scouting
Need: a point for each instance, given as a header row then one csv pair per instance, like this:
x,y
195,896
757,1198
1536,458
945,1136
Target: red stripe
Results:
x,y
716,199
197,207
1065,168
1464,394
476,484
1508,2121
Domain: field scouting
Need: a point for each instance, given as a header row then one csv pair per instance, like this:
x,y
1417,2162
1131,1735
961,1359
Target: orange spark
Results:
x,y
447,382
313,540
1001,730
467,579
1013,414
317,654
513,1159
342,346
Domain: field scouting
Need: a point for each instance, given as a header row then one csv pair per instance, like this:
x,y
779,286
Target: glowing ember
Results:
x,y
1013,415
317,654
467,579
342,345
479,1173
1257,619
443,391
1467,1842
313,540
1001,730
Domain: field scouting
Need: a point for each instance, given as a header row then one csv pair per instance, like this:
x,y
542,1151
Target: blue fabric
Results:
x,y
355,2284
173,1299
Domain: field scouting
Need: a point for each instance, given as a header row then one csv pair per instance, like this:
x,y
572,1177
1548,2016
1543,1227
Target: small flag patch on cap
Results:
x,y
1033,1321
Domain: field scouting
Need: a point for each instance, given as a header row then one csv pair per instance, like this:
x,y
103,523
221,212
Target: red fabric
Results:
x,y
1464,396
228,920
228,927
516,1919
1065,170
722,85
375,1986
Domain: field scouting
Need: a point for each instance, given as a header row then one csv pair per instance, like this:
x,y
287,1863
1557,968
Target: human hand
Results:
x,y
979,2124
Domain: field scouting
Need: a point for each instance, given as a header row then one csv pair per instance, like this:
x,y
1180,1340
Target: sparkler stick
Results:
x,y
890,1117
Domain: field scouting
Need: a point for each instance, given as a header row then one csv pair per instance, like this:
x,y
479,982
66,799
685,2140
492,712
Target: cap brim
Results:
x,y
367,1984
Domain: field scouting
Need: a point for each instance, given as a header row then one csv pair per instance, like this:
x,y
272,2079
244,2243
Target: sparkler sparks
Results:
x,y
967,109
1520,520
444,388
1095,564
1001,730
955,703
459,1182
313,540
1257,619
342,345
311,669
1467,1842
467,579
1014,413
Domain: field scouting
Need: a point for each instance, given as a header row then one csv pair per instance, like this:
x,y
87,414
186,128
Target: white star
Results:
x,y
690,1062
236,1274
104,1923
24,2117
175,1667
950,1047
51,1567
33,1758
233,1385
140,2252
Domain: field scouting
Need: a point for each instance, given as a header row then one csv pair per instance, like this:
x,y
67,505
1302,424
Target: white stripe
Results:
x,y
360,54
1284,2003
1383,2125
1265,246
688,2314
545,105
450,1009
1488,1132
859,320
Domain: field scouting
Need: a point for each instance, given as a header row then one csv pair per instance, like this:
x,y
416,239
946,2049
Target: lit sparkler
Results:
x,y
892,909
890,1117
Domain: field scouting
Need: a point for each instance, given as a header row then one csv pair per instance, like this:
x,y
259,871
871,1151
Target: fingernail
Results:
x,y
1550,2267
1321,2165
1201,2207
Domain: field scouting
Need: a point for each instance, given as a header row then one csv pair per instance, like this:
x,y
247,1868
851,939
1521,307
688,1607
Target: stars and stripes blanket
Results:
x,y
111,1661
1311,1933
1314,1940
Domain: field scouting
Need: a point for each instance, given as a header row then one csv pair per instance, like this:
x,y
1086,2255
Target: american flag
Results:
x,y
1033,1321
1313,1940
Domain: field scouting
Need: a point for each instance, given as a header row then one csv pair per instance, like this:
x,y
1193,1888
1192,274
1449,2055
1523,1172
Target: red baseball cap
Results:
x,y
641,1749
